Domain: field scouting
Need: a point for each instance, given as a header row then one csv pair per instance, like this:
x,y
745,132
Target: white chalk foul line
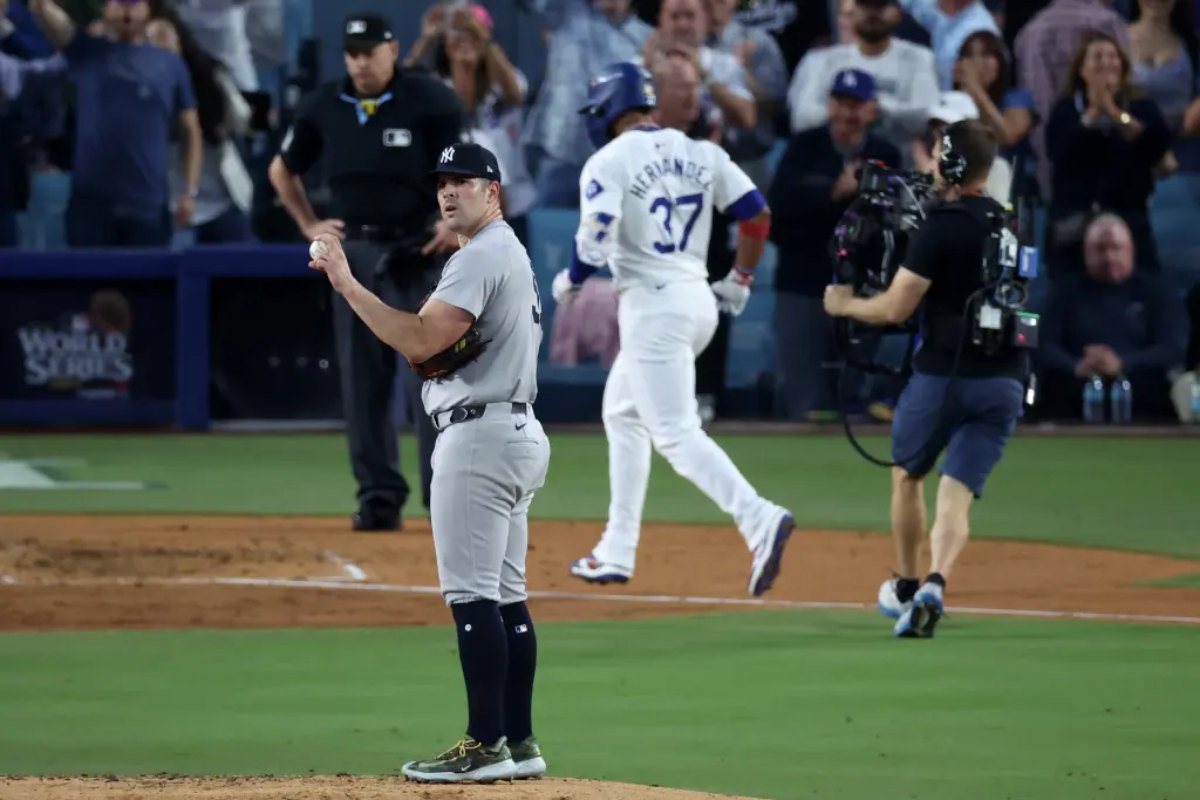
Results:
x,y
664,599
656,599
352,570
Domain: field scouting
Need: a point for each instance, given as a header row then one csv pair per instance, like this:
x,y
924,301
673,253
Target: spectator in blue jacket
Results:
x,y
130,96
1111,321
814,184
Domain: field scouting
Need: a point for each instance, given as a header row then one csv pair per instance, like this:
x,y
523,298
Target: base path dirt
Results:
x,y
322,788
101,572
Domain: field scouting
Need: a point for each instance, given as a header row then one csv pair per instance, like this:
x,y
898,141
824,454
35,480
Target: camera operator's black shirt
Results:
x,y
377,153
948,249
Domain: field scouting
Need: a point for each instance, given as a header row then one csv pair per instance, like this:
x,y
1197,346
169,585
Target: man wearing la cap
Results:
x,y
475,342
814,184
377,131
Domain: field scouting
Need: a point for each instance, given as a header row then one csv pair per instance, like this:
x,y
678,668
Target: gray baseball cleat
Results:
x,y
527,755
469,761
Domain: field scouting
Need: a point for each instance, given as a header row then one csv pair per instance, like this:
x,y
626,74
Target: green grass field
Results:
x,y
1121,493
771,704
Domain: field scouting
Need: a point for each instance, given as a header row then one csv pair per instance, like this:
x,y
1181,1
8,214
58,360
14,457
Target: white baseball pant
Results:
x,y
650,398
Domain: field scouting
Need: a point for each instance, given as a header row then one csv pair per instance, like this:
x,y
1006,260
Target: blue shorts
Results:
x,y
970,419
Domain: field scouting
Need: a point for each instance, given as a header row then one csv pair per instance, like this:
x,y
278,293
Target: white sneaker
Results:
x,y
919,621
767,557
889,603
593,570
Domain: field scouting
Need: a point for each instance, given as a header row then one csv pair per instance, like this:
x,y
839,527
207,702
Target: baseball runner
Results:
x,y
475,340
646,206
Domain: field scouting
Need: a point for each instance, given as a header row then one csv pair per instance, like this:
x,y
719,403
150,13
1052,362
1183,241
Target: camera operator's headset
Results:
x,y
953,168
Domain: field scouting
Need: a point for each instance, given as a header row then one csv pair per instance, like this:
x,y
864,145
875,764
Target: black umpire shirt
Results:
x,y
377,150
948,250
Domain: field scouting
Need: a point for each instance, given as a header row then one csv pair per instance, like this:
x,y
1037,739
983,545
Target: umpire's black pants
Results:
x,y
368,375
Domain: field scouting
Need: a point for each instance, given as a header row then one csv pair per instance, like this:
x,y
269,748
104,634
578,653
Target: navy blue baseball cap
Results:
x,y
853,83
469,159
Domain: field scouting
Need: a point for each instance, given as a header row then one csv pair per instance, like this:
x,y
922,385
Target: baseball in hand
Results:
x,y
317,249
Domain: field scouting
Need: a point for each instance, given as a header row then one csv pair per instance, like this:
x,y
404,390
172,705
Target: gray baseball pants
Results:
x,y
485,473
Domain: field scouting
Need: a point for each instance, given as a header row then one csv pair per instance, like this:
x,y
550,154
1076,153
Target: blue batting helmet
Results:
x,y
618,88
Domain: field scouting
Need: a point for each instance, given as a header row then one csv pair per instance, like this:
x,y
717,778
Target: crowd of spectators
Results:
x,y
154,106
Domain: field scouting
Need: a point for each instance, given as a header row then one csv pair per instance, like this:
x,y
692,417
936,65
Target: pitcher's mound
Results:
x,y
325,788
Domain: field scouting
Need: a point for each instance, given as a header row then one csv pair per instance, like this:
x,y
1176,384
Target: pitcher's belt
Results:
x,y
444,419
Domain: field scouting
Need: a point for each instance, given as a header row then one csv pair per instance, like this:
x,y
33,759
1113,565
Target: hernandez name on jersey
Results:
x,y
647,205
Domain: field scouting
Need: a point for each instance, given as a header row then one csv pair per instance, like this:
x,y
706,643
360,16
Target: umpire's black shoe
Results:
x,y
375,518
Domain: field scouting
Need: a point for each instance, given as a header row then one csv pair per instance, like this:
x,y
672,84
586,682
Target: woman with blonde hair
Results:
x,y
457,42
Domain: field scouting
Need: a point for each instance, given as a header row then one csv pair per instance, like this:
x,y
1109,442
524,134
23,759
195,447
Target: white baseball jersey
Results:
x,y
646,205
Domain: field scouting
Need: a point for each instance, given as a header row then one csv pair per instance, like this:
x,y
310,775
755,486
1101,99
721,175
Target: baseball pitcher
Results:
x,y
475,342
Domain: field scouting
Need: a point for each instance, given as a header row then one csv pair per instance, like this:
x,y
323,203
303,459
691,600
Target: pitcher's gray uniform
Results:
x,y
491,453
475,343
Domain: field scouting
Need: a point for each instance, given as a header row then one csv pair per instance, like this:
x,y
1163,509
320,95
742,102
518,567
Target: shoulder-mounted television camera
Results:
x,y
868,246
870,239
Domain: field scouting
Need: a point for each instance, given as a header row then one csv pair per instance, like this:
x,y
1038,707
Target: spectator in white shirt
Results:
x,y
582,37
906,82
226,190
219,26
766,77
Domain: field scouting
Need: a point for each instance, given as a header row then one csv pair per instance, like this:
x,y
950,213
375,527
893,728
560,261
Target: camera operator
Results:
x,y
960,398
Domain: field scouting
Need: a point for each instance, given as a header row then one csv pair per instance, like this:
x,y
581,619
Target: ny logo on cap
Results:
x,y
850,79
447,155
356,26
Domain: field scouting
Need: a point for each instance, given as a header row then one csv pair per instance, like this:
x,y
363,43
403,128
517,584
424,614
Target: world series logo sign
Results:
x,y
84,353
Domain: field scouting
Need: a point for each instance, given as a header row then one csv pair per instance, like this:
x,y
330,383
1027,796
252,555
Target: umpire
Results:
x,y
378,129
